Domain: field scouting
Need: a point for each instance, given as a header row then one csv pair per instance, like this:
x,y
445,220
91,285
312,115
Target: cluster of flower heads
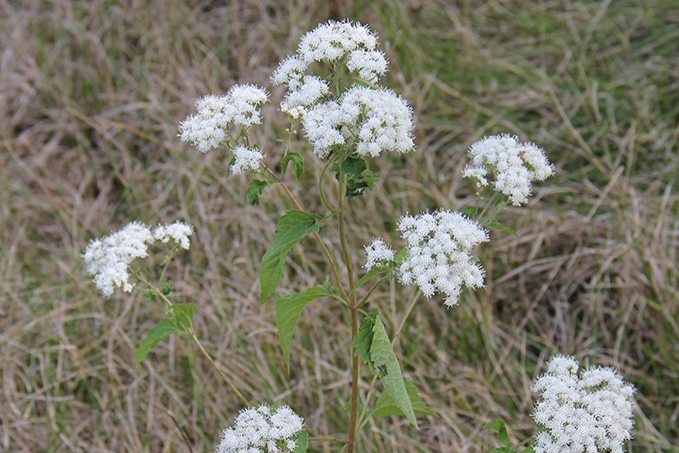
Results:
x,y
327,43
371,119
514,165
108,258
209,127
263,430
582,414
439,253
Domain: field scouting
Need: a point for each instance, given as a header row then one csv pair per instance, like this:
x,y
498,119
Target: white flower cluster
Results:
x,y
246,159
582,414
374,120
208,128
514,165
262,430
377,253
108,258
328,42
439,253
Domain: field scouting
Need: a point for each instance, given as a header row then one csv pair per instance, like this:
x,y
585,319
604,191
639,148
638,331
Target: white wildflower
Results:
x,y
377,253
208,128
373,120
332,40
439,259
369,64
582,414
246,159
108,258
178,232
262,430
515,165
308,93
290,72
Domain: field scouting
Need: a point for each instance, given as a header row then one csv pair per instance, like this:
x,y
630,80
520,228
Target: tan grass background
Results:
x,y
91,93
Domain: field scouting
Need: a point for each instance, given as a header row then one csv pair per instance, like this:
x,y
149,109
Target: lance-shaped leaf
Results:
x,y
385,405
159,332
291,228
301,441
297,163
254,192
386,365
183,316
364,339
288,309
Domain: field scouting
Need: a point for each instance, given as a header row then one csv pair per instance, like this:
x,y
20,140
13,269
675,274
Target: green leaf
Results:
x,y
183,316
160,331
385,404
386,364
297,163
470,211
254,192
301,441
291,228
498,425
358,175
503,450
495,225
528,449
288,309
364,339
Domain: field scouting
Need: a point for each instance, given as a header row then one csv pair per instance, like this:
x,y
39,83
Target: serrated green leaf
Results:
x,y
301,441
364,339
159,332
386,364
498,425
470,211
358,176
183,316
288,309
385,405
297,164
291,228
495,225
255,190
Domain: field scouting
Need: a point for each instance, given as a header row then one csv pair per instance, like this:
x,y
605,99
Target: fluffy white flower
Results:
x,y
209,126
246,159
515,165
582,414
377,252
262,430
108,258
373,120
290,72
308,93
178,232
439,259
332,40
369,64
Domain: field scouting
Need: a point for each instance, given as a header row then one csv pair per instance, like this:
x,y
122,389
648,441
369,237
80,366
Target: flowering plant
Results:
x,y
332,95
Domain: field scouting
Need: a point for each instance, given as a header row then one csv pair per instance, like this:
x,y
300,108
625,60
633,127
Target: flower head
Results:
x,y
262,430
582,414
177,232
439,259
332,40
208,128
515,165
246,159
108,258
372,120
377,253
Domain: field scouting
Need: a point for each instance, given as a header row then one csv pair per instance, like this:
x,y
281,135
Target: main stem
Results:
x,y
353,310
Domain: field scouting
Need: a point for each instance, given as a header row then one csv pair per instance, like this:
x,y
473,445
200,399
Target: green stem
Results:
x,y
191,332
353,310
319,238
